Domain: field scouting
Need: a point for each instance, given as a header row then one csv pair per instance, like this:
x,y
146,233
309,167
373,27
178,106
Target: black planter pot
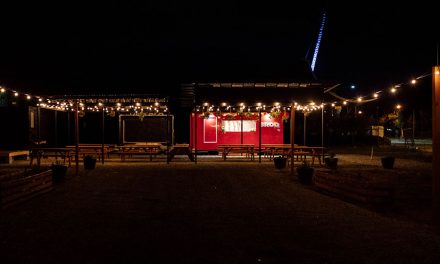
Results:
x,y
89,163
280,162
388,162
305,174
58,172
331,163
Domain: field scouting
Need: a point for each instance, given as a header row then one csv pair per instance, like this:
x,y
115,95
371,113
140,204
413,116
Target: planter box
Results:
x,y
373,189
23,187
280,162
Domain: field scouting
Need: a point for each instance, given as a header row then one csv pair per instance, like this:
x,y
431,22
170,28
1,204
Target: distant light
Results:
x,y
360,112
224,104
259,104
393,90
333,105
40,99
413,81
398,106
376,95
28,97
345,102
100,104
437,72
206,104
15,94
118,104
2,90
312,103
359,99
156,103
352,86
277,104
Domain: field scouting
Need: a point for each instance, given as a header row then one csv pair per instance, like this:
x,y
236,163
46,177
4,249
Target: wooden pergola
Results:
x,y
125,103
256,97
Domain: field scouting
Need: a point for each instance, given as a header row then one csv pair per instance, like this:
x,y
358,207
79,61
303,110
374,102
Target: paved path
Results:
x,y
222,212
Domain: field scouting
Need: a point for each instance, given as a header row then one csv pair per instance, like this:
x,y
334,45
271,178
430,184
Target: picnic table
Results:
x,y
38,153
181,149
152,148
248,149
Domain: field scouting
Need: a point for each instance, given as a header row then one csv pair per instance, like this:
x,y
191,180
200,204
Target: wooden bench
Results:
x,y
9,155
19,188
367,188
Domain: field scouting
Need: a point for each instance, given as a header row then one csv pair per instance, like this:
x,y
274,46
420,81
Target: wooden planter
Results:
x,y
364,188
280,162
21,188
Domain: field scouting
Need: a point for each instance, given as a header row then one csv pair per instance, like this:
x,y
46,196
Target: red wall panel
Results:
x,y
208,129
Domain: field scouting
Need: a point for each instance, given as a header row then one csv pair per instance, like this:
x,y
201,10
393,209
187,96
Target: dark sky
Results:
x,y
146,46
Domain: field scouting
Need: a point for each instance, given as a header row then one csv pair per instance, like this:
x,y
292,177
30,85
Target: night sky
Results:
x,y
146,47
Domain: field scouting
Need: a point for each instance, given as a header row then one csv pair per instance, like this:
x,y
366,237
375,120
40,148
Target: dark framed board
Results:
x,y
133,129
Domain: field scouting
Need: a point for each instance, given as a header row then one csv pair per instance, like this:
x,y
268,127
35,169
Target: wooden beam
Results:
x,y
292,139
436,145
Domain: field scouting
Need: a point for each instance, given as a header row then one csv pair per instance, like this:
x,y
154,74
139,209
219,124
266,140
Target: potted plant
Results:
x,y
331,162
58,172
305,173
89,162
388,162
280,162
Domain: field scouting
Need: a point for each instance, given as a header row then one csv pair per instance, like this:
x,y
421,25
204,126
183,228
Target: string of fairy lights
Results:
x,y
133,105
158,106
376,94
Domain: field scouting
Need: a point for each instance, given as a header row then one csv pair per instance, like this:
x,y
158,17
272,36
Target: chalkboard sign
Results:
x,y
149,129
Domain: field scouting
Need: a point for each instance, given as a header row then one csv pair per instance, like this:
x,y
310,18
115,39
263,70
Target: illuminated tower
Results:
x,y
318,42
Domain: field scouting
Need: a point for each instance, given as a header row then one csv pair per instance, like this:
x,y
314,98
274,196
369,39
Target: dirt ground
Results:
x,y
219,212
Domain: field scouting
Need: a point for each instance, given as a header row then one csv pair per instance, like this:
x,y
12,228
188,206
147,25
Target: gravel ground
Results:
x,y
212,212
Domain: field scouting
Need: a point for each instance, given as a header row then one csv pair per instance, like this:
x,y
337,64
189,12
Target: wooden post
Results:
x,y
56,128
292,139
103,135
322,131
39,125
76,139
241,132
305,130
68,129
168,136
436,145
195,137
259,137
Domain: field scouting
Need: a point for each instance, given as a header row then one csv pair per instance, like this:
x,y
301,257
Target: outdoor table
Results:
x,y
182,149
139,149
246,148
38,153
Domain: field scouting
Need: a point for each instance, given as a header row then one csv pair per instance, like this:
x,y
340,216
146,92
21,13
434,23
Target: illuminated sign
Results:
x,y
270,124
